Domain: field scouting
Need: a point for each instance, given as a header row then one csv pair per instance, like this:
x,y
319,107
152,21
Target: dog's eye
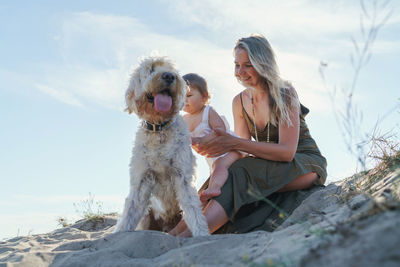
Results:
x,y
150,97
152,69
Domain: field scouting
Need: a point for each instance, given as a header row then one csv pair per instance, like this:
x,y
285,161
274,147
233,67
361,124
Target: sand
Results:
x,y
340,225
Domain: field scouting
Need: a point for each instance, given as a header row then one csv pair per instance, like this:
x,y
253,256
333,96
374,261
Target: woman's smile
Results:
x,y
244,70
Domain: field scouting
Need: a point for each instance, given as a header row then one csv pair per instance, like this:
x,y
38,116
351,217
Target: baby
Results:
x,y
203,120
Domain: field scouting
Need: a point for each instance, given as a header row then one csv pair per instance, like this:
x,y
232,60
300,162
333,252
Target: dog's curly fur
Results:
x,y
162,168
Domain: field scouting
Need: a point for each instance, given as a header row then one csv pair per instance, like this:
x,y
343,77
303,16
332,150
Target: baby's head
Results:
x,y
197,96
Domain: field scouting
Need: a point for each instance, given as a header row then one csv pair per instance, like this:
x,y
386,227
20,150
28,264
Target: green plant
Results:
x,y
62,221
384,148
90,209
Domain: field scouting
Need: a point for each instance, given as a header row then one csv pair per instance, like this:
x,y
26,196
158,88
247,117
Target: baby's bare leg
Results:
x,y
219,175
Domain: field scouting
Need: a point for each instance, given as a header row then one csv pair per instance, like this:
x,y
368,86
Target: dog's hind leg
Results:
x,y
144,223
191,206
136,203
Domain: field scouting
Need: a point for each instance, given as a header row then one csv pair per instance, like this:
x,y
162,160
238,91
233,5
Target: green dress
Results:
x,y
249,196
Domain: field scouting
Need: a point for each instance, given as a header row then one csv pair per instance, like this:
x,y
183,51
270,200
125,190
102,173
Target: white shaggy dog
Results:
x,y
162,164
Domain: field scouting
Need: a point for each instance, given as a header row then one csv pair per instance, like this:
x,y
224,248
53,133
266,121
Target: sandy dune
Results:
x,y
336,226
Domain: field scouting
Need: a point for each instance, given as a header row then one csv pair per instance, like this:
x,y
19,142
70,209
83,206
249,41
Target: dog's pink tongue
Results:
x,y
162,102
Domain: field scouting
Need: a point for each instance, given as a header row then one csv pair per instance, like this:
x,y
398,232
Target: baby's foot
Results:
x,y
209,193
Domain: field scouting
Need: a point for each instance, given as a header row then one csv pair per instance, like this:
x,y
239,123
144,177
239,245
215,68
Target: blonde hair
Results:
x,y
282,96
199,83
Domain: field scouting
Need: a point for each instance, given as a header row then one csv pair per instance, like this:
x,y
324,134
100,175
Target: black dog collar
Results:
x,y
155,127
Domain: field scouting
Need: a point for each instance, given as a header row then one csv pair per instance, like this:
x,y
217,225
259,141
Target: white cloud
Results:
x,y
124,40
98,49
386,47
61,95
301,70
272,18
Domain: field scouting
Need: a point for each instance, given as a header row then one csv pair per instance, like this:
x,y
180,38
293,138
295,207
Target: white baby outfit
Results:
x,y
204,129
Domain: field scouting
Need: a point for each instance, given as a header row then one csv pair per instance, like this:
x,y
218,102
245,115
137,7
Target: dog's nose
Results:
x,y
168,77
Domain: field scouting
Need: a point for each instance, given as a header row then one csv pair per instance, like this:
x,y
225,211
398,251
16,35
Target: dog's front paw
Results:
x,y
119,228
201,232
124,225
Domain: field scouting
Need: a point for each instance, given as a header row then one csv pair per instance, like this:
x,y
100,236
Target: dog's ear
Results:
x,y
182,93
129,99
130,93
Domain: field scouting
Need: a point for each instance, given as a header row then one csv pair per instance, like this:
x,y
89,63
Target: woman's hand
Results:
x,y
215,144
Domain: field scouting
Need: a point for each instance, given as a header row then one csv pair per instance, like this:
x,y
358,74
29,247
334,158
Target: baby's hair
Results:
x,y
197,82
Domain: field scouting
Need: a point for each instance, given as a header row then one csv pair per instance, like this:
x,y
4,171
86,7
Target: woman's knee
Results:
x,y
302,182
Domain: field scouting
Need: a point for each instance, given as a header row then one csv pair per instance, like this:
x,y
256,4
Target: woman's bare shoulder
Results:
x,y
242,94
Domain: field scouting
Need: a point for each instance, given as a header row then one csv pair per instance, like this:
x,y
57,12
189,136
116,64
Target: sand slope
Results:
x,y
336,226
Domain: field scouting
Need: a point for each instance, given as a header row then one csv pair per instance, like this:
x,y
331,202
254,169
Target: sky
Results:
x,y
65,67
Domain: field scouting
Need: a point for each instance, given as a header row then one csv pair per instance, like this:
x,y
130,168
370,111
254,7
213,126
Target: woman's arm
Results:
x,y
283,151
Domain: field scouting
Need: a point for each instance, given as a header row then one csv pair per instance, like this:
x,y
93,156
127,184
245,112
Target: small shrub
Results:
x,y
90,209
63,222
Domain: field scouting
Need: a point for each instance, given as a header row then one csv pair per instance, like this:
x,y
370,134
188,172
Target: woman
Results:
x,y
283,160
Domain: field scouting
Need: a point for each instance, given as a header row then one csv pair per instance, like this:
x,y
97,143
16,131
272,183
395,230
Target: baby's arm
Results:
x,y
215,121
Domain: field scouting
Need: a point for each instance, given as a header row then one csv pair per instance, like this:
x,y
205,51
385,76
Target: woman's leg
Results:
x,y
179,228
302,182
215,213
215,216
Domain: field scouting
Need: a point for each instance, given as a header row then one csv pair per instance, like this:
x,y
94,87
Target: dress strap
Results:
x,y
205,114
241,100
